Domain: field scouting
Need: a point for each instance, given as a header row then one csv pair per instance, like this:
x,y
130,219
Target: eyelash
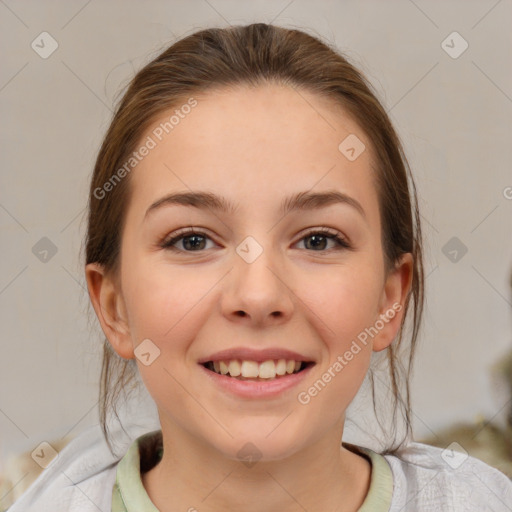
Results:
x,y
184,233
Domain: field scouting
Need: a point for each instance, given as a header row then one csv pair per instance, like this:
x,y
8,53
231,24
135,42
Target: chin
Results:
x,y
259,446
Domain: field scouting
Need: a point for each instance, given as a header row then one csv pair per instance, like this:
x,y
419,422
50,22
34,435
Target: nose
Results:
x,y
258,293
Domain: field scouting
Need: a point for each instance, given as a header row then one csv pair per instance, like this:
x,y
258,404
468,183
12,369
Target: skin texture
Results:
x,y
255,146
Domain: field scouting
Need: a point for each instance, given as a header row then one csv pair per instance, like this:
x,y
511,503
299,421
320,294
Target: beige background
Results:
x,y
453,114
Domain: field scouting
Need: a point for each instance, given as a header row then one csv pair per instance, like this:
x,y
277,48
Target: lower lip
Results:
x,y
259,388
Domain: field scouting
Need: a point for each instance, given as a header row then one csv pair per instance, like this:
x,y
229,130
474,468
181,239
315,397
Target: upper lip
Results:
x,y
250,354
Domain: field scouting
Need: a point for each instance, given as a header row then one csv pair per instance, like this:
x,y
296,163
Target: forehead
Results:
x,y
253,143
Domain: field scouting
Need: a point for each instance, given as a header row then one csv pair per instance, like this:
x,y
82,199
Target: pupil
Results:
x,y
316,237
194,244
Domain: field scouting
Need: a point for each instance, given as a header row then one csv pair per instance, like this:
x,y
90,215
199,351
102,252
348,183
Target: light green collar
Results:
x,y
129,493
380,492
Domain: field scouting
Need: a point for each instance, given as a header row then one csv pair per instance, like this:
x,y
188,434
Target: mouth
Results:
x,y
247,370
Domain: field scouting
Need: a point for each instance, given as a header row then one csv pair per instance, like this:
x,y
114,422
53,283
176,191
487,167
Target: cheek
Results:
x,y
160,298
344,302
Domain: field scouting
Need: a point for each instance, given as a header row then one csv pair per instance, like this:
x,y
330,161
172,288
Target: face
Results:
x,y
255,277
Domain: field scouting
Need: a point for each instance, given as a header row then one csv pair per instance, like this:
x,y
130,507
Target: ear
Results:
x,y
392,304
110,309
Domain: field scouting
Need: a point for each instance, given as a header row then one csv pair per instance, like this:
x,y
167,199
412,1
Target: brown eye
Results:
x,y
192,241
319,241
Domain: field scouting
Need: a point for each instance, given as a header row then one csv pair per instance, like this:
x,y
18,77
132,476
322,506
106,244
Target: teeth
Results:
x,y
281,367
223,368
234,368
252,369
267,370
248,369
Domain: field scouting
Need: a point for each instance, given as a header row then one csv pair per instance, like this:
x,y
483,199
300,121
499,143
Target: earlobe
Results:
x,y
392,305
109,306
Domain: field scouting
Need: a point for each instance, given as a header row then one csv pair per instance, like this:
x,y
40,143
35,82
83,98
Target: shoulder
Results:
x,y
80,478
427,478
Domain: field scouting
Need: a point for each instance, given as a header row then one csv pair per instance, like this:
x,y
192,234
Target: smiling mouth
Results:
x,y
252,370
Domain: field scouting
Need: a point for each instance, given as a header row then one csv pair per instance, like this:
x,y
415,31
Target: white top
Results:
x,y
425,479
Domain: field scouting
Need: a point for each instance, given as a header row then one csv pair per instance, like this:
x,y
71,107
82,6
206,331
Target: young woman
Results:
x,y
252,241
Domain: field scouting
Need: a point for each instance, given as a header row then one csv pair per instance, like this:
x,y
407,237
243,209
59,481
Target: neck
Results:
x,y
194,476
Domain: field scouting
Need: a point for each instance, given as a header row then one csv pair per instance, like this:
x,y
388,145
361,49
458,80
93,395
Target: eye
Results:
x,y
320,237
193,241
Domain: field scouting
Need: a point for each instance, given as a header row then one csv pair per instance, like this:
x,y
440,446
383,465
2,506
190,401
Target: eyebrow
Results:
x,y
300,201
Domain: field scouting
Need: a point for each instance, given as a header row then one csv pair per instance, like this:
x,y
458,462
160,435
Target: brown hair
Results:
x,y
254,55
